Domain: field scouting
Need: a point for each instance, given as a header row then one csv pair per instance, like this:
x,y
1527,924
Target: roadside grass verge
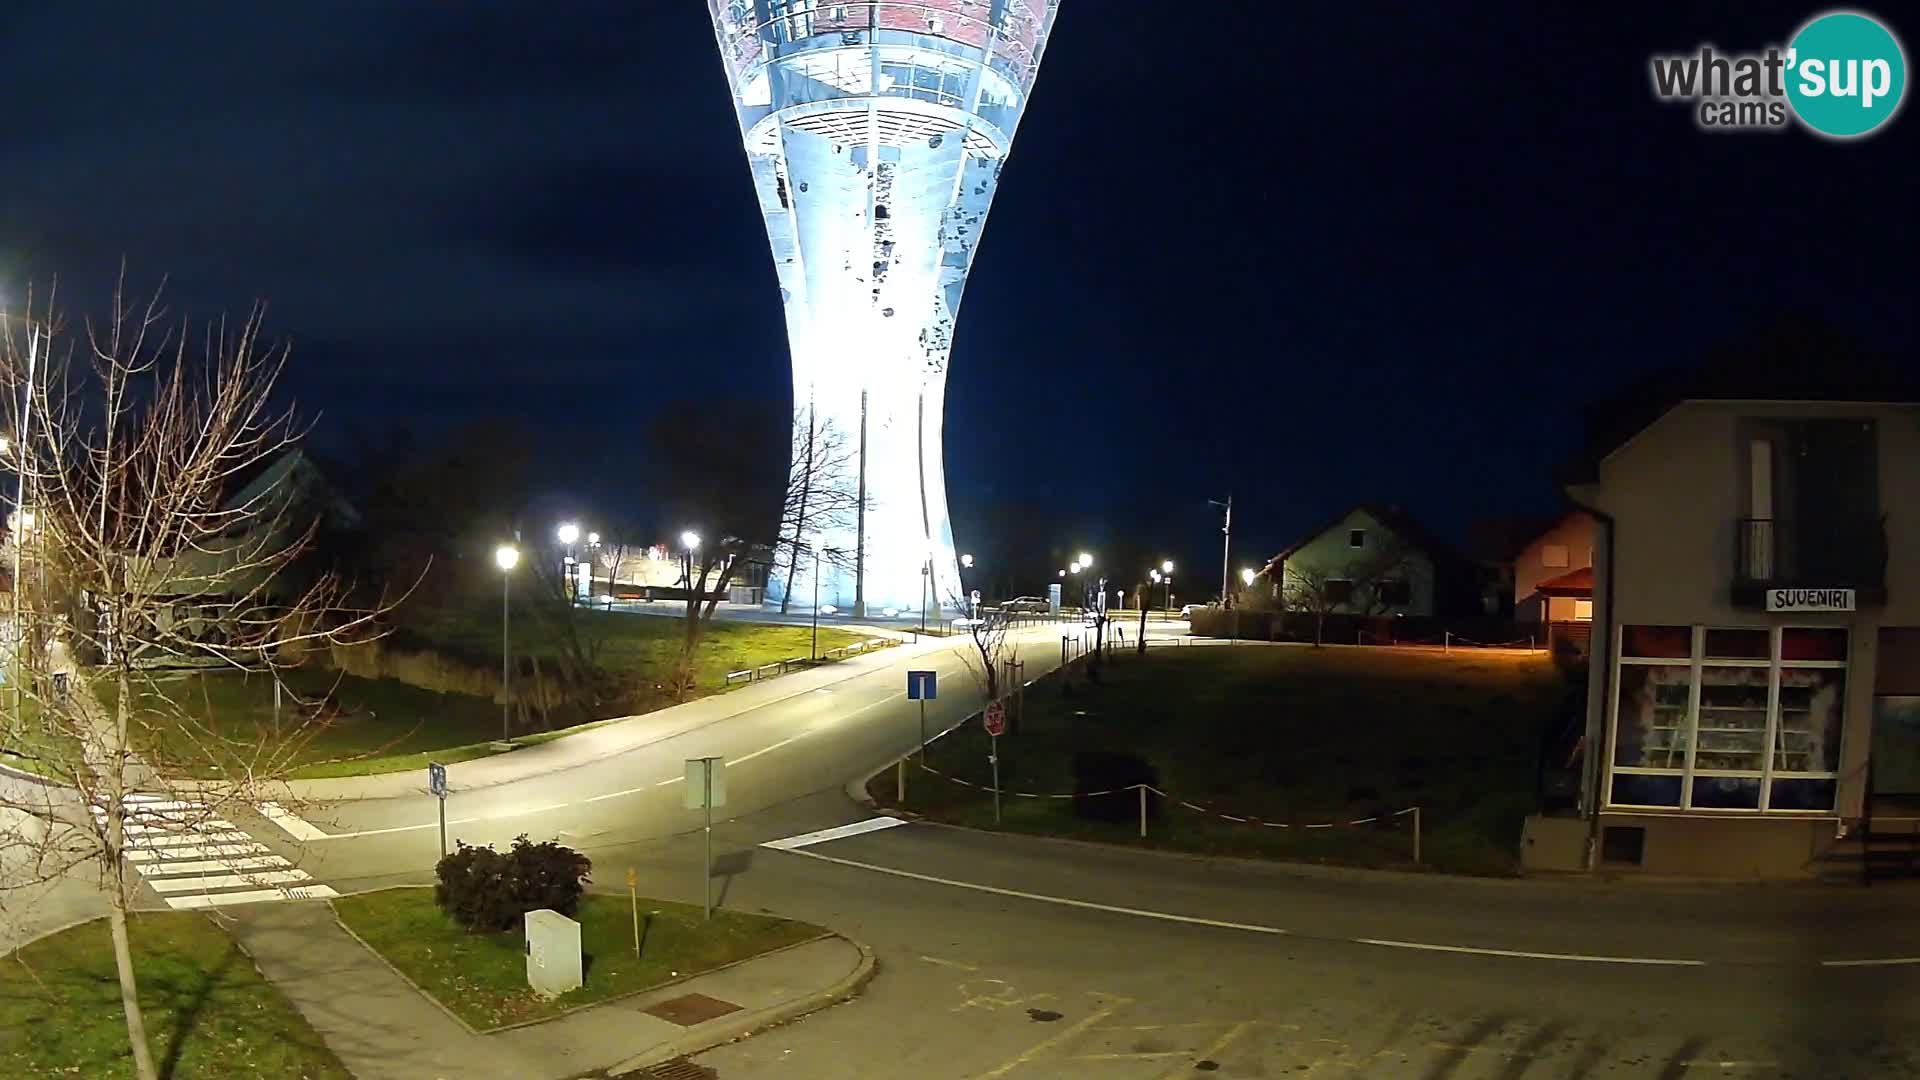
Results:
x,y
384,725
1285,734
482,978
209,1014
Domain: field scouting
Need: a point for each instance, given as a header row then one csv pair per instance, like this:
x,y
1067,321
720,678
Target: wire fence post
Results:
x,y
900,781
1142,789
1446,642
1416,836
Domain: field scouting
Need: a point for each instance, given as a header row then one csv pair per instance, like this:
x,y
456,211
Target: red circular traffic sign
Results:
x,y
996,719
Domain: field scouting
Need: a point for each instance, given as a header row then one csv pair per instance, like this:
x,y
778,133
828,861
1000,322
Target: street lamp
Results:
x,y
966,561
690,543
569,533
1167,567
1086,559
506,557
1247,575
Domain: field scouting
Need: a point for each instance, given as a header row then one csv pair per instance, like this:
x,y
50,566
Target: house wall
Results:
x,y
1676,492
1575,533
1330,553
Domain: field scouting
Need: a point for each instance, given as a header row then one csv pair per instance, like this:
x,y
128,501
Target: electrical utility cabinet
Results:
x,y
553,953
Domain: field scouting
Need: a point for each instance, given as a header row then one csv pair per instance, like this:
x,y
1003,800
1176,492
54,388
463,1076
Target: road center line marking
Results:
x,y
949,963
1523,955
821,836
768,749
1893,961
1064,901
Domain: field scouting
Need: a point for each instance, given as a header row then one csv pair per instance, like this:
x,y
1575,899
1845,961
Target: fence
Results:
x,y
781,667
1476,631
1143,790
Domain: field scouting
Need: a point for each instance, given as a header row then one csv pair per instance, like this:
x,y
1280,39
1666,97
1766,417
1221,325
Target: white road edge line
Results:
x,y
1064,901
841,832
1651,961
1193,920
1893,961
295,826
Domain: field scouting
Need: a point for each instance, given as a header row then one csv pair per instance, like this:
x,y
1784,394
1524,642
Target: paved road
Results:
x,y
1015,957
978,984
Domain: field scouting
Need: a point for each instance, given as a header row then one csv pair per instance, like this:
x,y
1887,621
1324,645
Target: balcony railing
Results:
x,y
1781,553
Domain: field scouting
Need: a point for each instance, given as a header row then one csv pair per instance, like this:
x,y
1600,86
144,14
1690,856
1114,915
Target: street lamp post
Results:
x,y
568,534
506,557
1166,572
690,542
814,649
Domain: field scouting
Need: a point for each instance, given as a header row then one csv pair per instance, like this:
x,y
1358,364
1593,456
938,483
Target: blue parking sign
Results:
x,y
921,686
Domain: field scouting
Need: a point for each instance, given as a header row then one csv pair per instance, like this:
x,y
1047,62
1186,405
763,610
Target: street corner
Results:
x,y
736,1002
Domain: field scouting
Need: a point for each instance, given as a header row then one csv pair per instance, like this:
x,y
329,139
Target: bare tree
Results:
x,y
1363,586
141,461
993,648
822,496
612,553
1316,591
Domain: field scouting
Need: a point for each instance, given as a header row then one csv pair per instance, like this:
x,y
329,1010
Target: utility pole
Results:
x,y
1226,548
860,527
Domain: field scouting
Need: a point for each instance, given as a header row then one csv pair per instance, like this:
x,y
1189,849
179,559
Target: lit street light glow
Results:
x,y
1167,567
1086,559
966,561
690,540
569,533
1247,575
593,539
506,556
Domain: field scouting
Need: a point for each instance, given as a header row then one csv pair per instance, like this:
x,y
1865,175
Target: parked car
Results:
x,y
1187,610
1025,604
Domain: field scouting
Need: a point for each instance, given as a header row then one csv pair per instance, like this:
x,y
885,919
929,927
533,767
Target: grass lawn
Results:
x,y
645,646
1280,733
483,977
209,1014
385,725
382,725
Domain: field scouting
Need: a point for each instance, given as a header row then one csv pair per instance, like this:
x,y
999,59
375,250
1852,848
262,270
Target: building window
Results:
x,y
1728,719
1553,555
1583,611
1339,591
1396,593
1356,538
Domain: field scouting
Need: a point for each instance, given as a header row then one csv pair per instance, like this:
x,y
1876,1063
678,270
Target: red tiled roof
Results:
x,y
1578,583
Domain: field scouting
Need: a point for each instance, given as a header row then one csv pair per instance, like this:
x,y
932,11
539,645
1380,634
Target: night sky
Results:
x,y
1315,257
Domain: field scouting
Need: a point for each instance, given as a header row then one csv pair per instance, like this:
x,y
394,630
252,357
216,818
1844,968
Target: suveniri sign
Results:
x,y
1809,599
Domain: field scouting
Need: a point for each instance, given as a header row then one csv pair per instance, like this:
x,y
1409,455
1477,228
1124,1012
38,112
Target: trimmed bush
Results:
x,y
487,891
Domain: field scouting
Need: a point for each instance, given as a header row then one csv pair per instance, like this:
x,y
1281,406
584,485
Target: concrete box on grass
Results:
x,y
553,953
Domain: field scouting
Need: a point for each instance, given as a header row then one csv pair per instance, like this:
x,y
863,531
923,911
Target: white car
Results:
x,y
1187,610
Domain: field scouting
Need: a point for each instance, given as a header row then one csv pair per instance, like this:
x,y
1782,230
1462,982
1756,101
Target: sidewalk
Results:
x,y
619,737
384,1029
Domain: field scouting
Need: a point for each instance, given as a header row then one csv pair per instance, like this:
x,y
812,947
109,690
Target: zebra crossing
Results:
x,y
196,860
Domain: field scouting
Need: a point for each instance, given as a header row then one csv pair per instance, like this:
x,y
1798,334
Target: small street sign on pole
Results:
x,y
993,759
922,686
995,719
437,784
633,897
706,789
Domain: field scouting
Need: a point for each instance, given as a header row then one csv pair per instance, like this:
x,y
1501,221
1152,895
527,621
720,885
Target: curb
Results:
x,y
746,1024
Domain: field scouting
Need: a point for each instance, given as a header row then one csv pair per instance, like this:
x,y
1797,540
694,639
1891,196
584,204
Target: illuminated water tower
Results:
x,y
876,132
